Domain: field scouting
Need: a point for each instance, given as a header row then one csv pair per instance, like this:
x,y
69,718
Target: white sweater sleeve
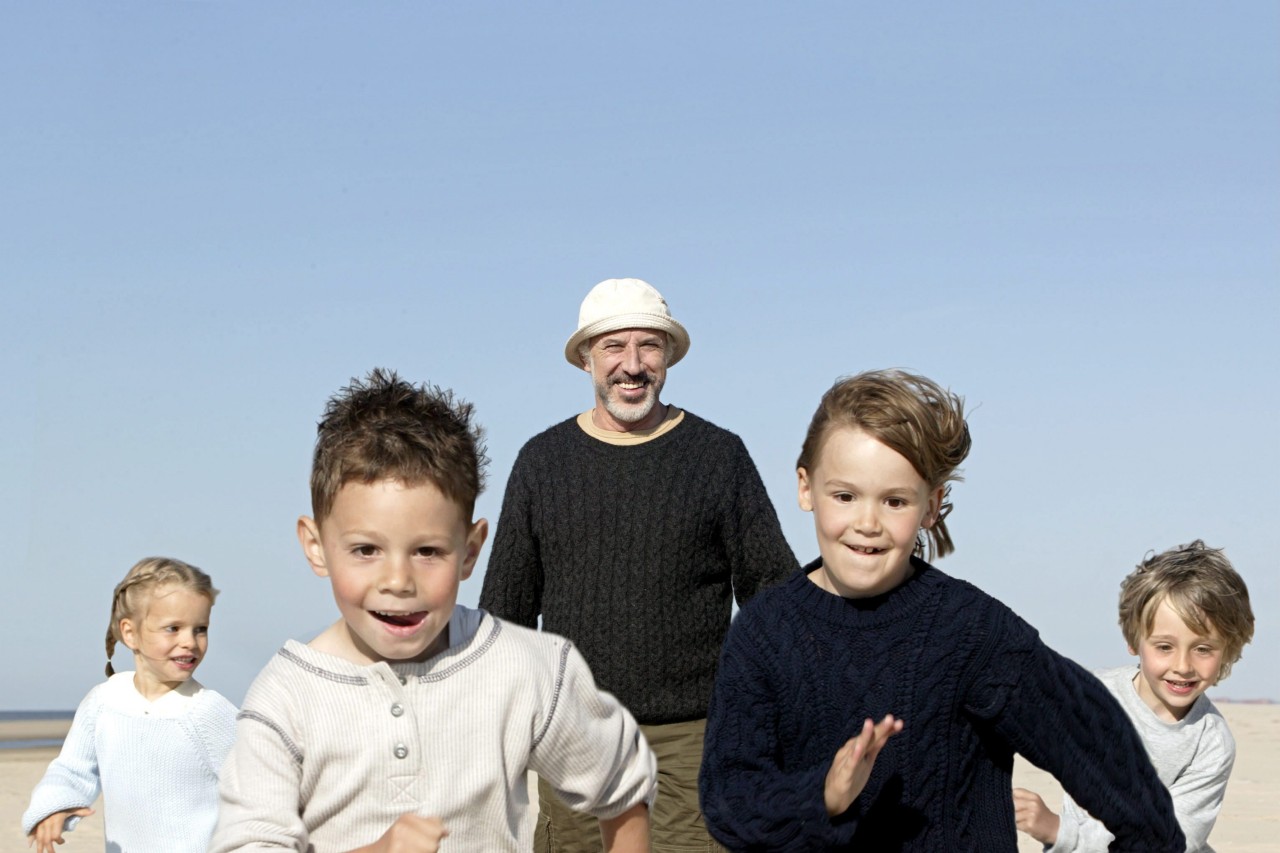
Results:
x,y
72,780
591,750
260,788
1078,832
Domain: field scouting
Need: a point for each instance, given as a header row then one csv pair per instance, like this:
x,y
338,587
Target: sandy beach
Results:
x,y
1249,822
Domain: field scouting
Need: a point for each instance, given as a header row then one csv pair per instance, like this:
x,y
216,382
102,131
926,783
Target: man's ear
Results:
x,y
475,541
803,491
309,538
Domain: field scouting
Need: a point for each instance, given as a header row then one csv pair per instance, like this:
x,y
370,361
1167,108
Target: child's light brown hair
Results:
x,y
384,428
129,601
1201,586
907,413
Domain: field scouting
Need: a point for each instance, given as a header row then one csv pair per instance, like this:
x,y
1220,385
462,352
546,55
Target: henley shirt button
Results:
x,y
402,751
397,709
403,680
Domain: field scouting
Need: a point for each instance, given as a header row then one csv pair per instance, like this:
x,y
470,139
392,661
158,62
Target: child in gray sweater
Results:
x,y
1186,614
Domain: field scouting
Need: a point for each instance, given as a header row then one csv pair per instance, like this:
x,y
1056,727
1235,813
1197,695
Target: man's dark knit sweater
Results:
x,y
634,552
973,683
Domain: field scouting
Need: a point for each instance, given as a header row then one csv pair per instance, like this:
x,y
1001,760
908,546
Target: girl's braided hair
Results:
x,y
131,594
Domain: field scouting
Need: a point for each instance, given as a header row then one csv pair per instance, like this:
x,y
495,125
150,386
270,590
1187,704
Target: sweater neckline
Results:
x,y
890,606
661,439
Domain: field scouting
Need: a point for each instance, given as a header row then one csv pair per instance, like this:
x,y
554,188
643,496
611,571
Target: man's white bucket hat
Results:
x,y
625,303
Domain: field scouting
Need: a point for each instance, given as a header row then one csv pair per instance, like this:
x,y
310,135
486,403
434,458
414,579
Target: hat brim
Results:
x,y
675,332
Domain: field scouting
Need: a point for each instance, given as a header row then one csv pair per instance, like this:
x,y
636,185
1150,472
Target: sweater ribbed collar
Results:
x,y
897,603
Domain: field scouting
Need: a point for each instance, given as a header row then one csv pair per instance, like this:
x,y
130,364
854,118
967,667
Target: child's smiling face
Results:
x,y
395,555
169,638
1176,664
868,504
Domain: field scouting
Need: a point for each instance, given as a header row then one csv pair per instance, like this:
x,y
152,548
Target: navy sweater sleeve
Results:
x,y
748,800
1063,720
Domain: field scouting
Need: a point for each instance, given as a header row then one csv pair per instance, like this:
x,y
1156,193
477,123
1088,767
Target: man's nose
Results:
x,y
631,362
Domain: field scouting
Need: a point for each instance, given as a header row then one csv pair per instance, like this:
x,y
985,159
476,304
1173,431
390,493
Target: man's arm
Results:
x,y
753,537
513,579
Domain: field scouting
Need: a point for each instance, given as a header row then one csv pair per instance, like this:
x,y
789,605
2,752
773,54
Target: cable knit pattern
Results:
x,y
973,683
1193,758
157,769
329,754
635,554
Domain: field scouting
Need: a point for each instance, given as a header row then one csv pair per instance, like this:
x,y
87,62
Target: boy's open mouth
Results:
x,y
403,620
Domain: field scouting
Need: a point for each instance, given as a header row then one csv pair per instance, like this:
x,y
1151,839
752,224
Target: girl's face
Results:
x,y
868,504
168,639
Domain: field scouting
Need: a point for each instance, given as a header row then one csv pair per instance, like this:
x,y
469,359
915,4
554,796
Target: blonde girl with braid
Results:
x,y
151,740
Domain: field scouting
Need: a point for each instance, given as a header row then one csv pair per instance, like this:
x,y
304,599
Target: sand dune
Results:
x,y
1250,821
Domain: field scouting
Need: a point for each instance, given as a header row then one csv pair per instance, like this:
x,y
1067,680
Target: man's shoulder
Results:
x,y
701,424
553,436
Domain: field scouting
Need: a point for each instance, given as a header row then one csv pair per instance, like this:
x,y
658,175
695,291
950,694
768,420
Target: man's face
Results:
x,y
628,368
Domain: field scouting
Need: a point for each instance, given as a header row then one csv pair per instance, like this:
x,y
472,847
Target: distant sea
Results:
x,y
14,716
10,716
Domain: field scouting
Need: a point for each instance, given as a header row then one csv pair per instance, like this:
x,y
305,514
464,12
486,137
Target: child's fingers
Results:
x,y
885,729
874,737
1022,798
856,747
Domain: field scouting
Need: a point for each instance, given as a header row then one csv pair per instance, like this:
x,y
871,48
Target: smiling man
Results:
x,y
630,529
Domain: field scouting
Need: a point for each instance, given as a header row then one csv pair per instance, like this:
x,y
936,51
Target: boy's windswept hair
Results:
x,y
909,414
1201,586
130,597
384,428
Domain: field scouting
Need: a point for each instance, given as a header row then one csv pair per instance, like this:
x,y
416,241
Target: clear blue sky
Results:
x,y
215,214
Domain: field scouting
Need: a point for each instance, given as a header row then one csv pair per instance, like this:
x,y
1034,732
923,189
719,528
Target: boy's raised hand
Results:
x,y
1033,817
48,832
852,765
410,833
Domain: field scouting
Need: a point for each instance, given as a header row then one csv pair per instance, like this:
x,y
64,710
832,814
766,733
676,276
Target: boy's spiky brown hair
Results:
x,y
384,428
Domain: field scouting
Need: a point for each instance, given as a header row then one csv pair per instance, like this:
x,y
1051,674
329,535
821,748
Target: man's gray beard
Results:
x,y
629,413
